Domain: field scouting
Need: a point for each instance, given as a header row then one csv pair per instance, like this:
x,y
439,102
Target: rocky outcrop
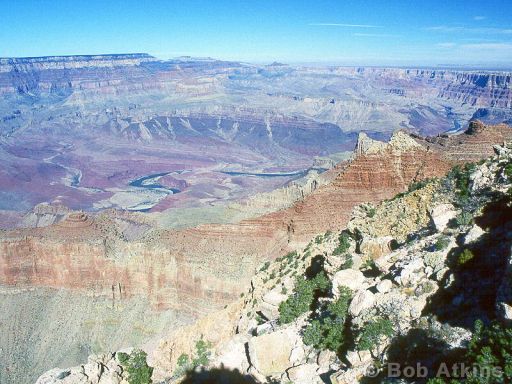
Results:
x,y
43,215
101,369
91,255
403,294
473,145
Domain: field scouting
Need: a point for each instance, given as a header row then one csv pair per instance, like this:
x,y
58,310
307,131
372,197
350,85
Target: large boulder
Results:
x,y
232,354
441,215
473,234
362,300
349,278
375,248
411,273
384,286
274,297
304,374
270,353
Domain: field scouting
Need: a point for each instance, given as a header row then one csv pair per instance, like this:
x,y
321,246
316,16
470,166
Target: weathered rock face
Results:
x,y
270,353
170,267
101,369
201,269
378,172
403,295
217,328
475,144
494,89
62,73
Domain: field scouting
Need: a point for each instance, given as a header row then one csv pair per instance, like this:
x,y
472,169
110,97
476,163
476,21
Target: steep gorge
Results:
x,y
198,270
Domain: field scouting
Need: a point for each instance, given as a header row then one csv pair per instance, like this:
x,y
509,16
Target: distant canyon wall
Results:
x,y
200,269
140,73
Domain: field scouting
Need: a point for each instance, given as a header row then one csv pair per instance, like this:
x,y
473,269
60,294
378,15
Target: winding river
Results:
x,y
151,182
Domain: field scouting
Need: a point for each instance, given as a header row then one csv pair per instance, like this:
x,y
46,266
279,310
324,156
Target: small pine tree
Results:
x,y
136,366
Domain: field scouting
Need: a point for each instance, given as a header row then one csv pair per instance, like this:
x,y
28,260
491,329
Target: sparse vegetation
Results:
x,y
344,244
370,269
302,298
418,185
465,256
490,352
348,263
441,243
464,218
135,364
183,365
459,176
200,359
508,170
328,331
372,332
265,266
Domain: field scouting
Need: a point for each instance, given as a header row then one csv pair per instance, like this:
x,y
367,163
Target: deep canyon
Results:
x,y
138,194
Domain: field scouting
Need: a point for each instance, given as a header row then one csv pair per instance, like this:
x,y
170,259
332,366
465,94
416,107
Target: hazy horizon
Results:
x,y
470,34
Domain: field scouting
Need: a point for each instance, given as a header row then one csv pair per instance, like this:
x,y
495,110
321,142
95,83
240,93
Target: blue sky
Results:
x,y
346,32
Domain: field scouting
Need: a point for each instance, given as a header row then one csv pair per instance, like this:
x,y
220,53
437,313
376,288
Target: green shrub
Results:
x,y
319,239
465,256
491,347
460,177
136,366
290,257
344,244
201,358
265,266
313,334
183,365
371,212
490,350
202,353
348,263
417,185
441,243
464,218
508,170
372,333
328,331
302,298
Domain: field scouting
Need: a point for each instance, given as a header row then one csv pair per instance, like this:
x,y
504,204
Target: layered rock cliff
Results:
x,y
198,270
344,311
169,267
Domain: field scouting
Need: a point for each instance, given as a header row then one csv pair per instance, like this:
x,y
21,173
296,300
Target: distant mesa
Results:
x,y
72,58
76,220
277,64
